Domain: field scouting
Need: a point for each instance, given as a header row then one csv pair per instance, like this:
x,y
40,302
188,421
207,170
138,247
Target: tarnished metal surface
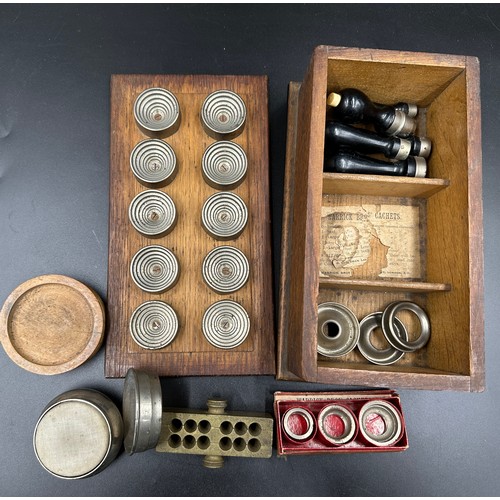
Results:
x,y
389,329
225,269
223,112
338,330
152,213
380,423
224,216
224,165
156,109
154,269
154,324
226,324
142,411
79,433
385,356
153,161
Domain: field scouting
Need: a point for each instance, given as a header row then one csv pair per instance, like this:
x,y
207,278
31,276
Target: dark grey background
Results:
x,y
55,67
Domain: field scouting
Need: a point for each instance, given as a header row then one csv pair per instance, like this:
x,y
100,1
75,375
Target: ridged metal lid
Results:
x,y
225,269
152,213
223,112
153,161
224,165
156,109
224,216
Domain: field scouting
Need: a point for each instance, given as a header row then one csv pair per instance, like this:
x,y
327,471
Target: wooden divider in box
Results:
x,y
367,240
190,353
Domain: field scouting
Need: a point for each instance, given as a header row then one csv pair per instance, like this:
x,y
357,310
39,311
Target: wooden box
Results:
x,y
190,353
434,234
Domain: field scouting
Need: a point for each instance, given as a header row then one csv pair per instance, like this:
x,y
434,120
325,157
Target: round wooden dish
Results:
x,y
52,324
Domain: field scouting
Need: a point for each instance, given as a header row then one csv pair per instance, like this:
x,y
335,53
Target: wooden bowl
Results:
x,y
52,324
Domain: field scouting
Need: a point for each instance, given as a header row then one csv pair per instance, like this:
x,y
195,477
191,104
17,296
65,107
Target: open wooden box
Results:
x,y
426,248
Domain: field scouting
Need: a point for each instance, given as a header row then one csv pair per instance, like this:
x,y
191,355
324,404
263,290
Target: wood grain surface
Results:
x,y
190,353
52,324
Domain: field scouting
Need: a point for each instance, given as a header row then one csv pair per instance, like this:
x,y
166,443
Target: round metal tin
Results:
x,y
154,269
380,423
389,329
224,165
153,162
156,110
225,269
337,424
292,424
223,113
377,356
224,216
226,324
338,330
142,411
79,433
152,213
153,325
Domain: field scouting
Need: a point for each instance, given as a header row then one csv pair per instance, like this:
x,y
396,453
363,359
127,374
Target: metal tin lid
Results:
x,y
223,112
380,423
225,269
156,109
224,216
153,161
142,411
154,269
226,324
152,213
153,325
79,433
338,330
224,165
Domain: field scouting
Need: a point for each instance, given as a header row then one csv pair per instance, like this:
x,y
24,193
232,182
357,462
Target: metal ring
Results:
x,y
156,110
380,423
224,165
369,351
348,420
223,112
152,213
224,216
153,325
154,269
388,326
288,428
142,411
153,162
225,269
226,324
338,330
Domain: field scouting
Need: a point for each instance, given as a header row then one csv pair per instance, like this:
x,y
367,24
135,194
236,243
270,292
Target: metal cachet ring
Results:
x,y
224,165
380,423
152,213
338,330
369,351
389,328
156,110
291,430
223,112
224,216
225,269
153,162
337,424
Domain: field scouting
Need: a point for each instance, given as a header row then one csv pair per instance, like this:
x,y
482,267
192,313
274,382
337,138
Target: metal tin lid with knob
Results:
x,y
142,411
79,433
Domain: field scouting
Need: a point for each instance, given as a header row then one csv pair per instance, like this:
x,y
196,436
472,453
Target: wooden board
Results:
x,y
51,324
190,353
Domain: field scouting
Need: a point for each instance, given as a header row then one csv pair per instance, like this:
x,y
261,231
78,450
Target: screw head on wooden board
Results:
x,y
157,110
338,330
224,216
142,411
154,269
152,213
226,324
154,324
225,269
153,162
224,165
79,433
52,324
223,114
